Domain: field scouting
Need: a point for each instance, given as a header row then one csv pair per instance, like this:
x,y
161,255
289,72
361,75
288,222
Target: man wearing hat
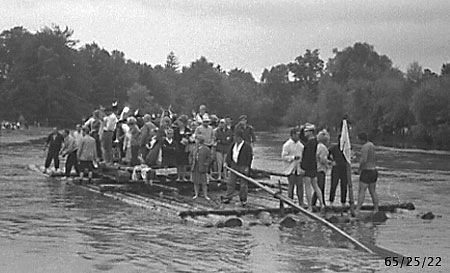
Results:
x,y
246,129
206,131
224,138
239,158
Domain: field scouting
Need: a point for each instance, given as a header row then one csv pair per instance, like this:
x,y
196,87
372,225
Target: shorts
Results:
x,y
311,173
368,176
86,165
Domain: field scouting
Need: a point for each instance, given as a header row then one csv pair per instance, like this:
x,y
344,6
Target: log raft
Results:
x,y
175,198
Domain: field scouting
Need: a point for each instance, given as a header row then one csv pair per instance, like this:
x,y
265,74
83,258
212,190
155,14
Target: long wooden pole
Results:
x,y
304,211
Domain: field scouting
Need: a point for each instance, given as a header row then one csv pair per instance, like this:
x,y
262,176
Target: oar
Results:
x,y
304,211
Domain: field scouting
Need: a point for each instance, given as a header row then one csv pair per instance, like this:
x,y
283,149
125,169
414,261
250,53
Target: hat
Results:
x,y
309,127
131,120
206,119
222,121
243,117
183,118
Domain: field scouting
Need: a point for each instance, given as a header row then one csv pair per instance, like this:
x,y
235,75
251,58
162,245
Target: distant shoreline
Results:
x,y
31,135
37,134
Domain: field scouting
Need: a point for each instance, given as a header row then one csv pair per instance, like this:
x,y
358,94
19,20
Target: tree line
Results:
x,y
45,77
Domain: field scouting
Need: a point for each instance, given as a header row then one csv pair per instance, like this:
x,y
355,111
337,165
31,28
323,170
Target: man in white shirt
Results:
x,y
78,135
202,114
292,156
109,128
206,131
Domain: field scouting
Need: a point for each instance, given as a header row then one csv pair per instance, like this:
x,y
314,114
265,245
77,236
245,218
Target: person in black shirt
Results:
x,y
309,165
54,143
338,172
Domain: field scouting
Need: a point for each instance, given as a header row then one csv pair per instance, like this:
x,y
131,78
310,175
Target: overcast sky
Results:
x,y
248,34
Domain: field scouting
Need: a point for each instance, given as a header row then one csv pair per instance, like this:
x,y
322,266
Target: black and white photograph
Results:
x,y
241,136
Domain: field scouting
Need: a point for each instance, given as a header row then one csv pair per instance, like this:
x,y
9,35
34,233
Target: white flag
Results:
x,y
344,141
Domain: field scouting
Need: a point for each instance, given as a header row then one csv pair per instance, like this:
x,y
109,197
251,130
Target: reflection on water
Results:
x,y
49,226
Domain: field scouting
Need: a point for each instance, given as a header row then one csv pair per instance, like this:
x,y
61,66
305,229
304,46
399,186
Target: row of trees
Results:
x,y
43,76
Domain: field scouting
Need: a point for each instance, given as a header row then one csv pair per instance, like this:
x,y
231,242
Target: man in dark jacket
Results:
x,y
239,157
54,143
338,172
247,130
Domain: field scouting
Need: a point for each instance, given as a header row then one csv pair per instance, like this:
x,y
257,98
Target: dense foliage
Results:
x,y
45,77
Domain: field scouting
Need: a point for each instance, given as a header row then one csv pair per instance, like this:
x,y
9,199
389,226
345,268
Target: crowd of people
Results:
x,y
200,143
308,157
204,144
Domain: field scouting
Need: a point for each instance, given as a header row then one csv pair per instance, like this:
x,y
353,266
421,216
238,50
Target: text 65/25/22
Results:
x,y
413,261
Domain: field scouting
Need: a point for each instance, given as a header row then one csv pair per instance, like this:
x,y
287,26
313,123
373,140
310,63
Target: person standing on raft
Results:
x,y
368,173
309,165
200,159
292,156
239,158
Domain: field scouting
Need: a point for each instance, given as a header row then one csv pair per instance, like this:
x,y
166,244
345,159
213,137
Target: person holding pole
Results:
x,y
239,158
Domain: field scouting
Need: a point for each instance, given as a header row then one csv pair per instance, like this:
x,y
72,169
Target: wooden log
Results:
x,y
288,222
307,213
232,222
236,212
385,207
113,187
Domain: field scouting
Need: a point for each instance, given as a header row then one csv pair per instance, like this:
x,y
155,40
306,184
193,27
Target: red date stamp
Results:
x,y
413,261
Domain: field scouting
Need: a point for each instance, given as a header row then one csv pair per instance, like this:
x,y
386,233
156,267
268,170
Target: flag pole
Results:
x,y
346,149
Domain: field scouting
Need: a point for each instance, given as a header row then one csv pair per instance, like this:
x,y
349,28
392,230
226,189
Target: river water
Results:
x,y
50,226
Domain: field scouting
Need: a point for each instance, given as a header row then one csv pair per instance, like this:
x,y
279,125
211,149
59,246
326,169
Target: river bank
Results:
x,y
31,135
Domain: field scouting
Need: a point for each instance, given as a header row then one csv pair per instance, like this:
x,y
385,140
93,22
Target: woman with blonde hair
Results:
x,y
323,138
